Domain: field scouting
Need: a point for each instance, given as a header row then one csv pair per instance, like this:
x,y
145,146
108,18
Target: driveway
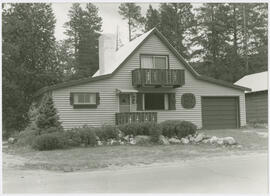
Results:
x,y
231,174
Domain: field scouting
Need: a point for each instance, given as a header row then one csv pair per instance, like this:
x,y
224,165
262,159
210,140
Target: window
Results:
x,y
154,101
154,62
85,98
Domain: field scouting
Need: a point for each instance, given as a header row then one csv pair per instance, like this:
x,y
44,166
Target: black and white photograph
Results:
x,y
134,97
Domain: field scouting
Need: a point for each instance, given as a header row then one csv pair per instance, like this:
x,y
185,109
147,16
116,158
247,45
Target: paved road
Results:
x,y
235,174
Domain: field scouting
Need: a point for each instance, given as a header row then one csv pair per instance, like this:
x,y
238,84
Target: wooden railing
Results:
x,y
131,117
158,77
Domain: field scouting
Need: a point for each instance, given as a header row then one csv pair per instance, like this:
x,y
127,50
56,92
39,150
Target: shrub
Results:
x,y
50,141
26,137
155,132
142,128
84,135
185,128
107,132
177,128
168,127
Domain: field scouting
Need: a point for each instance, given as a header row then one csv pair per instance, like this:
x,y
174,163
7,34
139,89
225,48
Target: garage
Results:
x,y
220,112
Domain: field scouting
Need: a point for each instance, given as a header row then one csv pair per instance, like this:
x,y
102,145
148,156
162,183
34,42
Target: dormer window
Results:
x,y
154,61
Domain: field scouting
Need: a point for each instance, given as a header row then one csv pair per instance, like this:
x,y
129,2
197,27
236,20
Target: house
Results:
x,y
147,80
257,98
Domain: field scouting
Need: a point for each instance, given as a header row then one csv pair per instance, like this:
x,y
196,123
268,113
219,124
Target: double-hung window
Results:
x,y
154,61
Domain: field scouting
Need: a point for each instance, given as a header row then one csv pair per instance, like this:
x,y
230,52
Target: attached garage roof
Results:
x,y
256,82
127,51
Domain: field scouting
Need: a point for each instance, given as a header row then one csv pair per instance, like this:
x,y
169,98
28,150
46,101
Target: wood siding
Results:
x,y
257,106
105,112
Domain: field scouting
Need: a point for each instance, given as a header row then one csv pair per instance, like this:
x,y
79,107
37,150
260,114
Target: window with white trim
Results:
x,y
154,62
84,98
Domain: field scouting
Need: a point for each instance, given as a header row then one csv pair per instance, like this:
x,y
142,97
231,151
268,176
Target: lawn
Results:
x,y
119,156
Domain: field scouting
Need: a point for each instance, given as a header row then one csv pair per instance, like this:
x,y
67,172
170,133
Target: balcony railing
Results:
x,y
132,117
158,77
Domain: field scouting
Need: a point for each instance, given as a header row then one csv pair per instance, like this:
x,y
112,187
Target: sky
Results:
x,y
110,17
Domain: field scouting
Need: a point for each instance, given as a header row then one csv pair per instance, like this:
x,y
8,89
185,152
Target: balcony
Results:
x,y
132,117
158,78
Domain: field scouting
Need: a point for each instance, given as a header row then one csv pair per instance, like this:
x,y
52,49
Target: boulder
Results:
x,y
99,143
174,140
205,141
220,141
142,139
11,140
191,139
126,138
163,140
229,140
184,140
132,141
199,137
213,140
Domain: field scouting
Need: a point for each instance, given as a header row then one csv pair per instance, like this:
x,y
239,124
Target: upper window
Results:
x,y
85,98
154,62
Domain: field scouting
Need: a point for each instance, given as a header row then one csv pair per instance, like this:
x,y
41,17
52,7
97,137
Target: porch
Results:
x,y
132,117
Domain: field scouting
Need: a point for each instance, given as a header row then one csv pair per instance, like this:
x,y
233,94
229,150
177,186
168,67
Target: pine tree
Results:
x,y
132,13
176,21
29,58
47,115
152,19
83,31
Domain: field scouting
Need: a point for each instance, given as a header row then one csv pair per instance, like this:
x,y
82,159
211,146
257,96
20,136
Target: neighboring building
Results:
x,y
257,98
147,80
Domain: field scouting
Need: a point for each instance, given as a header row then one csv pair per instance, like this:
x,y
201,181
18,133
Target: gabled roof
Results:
x,y
126,52
256,82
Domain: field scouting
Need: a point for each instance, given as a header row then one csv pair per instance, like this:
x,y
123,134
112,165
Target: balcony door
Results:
x,y
124,103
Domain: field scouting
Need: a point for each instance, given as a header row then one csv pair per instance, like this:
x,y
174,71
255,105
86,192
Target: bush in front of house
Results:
x,y
81,136
50,141
172,128
135,129
185,128
155,132
106,132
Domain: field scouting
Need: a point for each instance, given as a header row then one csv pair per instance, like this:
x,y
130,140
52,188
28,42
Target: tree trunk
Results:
x,y
245,37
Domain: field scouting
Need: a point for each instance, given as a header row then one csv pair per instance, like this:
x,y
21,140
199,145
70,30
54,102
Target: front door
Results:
x,y
124,103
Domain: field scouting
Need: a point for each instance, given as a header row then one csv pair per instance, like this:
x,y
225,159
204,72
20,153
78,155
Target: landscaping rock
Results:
x,y
229,140
11,140
239,146
120,134
142,139
191,139
213,140
174,140
199,137
99,143
205,141
184,140
220,141
126,138
163,140
132,141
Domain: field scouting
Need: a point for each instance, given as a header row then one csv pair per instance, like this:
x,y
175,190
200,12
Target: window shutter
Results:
x,y
71,98
139,101
171,97
97,99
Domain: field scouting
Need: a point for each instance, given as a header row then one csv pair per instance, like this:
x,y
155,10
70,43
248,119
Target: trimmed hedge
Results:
x,y
50,141
171,128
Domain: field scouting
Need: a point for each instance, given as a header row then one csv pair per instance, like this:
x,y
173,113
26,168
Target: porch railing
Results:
x,y
132,117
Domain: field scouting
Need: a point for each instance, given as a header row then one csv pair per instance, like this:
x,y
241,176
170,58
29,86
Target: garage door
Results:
x,y
220,112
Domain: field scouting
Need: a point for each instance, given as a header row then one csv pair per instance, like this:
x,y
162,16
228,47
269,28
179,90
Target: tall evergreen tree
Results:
x,y
176,21
29,59
152,19
83,30
132,13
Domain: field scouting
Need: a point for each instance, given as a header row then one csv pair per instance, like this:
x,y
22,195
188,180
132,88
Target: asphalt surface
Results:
x,y
233,174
